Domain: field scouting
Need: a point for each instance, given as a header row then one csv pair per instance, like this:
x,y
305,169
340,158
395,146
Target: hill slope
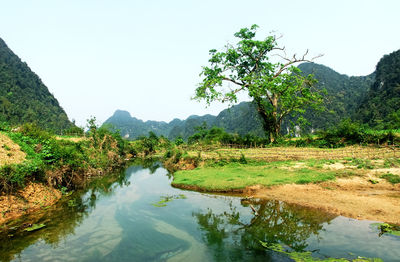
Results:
x,y
373,99
241,119
381,106
23,96
344,94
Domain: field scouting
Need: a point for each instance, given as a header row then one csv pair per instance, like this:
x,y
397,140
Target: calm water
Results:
x,y
120,218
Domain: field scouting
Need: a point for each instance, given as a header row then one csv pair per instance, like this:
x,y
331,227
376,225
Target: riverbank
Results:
x,y
37,167
353,188
33,197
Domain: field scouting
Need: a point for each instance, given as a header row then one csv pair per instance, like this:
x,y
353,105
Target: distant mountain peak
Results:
x,y
122,114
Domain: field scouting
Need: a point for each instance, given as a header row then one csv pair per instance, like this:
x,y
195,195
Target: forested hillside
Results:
x,y
343,94
381,106
23,96
241,119
373,99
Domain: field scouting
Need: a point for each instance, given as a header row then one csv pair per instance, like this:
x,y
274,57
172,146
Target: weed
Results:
x,y
373,181
362,163
393,179
391,162
242,159
165,199
35,227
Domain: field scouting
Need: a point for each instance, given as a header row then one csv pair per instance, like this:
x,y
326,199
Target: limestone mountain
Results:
x,y
373,99
343,95
23,96
241,119
381,106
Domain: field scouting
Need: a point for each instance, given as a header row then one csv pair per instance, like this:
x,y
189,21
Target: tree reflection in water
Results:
x,y
61,219
231,234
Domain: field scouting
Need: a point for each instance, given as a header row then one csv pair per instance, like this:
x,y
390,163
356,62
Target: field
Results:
x,y
234,176
358,182
297,153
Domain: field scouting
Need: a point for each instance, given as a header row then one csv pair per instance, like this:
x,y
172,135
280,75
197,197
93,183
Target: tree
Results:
x,y
277,88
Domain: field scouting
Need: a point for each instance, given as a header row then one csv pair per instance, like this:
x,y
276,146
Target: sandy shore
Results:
x,y
356,197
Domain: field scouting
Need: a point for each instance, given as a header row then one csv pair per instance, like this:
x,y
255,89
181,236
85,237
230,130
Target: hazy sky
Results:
x,y
145,56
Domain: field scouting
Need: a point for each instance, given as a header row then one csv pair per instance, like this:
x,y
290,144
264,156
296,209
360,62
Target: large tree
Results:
x,y
263,70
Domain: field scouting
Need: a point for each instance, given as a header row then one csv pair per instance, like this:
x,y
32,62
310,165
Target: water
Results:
x,y
121,218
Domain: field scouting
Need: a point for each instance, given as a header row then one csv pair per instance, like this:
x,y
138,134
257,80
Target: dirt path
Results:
x,y
356,197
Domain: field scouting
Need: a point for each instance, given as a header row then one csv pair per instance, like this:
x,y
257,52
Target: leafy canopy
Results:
x,y
277,88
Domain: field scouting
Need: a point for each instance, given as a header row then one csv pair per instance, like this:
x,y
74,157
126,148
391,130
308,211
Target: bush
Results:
x,y
62,160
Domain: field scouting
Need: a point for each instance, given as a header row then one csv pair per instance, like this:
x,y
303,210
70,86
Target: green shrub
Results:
x,y
393,179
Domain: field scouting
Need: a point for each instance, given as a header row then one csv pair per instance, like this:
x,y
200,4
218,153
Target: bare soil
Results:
x,y
363,195
10,152
73,139
353,197
33,197
297,153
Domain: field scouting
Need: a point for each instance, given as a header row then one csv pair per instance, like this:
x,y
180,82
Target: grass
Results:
x,y
296,153
237,176
393,179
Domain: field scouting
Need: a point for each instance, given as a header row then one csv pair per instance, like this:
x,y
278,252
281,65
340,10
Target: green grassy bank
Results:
x,y
235,175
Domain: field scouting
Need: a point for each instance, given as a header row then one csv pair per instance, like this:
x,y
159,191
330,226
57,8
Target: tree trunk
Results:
x,y
276,128
267,119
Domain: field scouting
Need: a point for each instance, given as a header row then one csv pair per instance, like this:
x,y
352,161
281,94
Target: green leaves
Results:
x,y
246,67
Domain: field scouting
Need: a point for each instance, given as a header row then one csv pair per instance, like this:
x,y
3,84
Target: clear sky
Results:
x,y
145,56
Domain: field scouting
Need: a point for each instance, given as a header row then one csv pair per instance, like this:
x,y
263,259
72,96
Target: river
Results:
x,y
137,216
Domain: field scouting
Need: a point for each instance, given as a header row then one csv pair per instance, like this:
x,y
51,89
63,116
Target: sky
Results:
x,y
145,56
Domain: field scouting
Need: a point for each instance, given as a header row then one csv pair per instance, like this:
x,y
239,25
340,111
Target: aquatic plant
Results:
x,y
35,227
165,199
307,257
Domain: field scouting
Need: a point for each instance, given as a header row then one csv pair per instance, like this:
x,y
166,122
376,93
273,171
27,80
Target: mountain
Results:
x,y
131,127
373,99
343,94
23,96
381,106
241,119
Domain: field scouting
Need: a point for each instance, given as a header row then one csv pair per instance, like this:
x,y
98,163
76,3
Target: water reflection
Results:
x,y
61,220
273,222
114,219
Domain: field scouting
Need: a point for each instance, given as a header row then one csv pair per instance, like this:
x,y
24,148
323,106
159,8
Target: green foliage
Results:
x,y
343,95
372,100
165,199
306,256
74,131
35,227
392,162
242,159
23,96
217,135
362,163
179,141
278,89
393,179
386,228
381,106
45,153
345,133
149,144
224,175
